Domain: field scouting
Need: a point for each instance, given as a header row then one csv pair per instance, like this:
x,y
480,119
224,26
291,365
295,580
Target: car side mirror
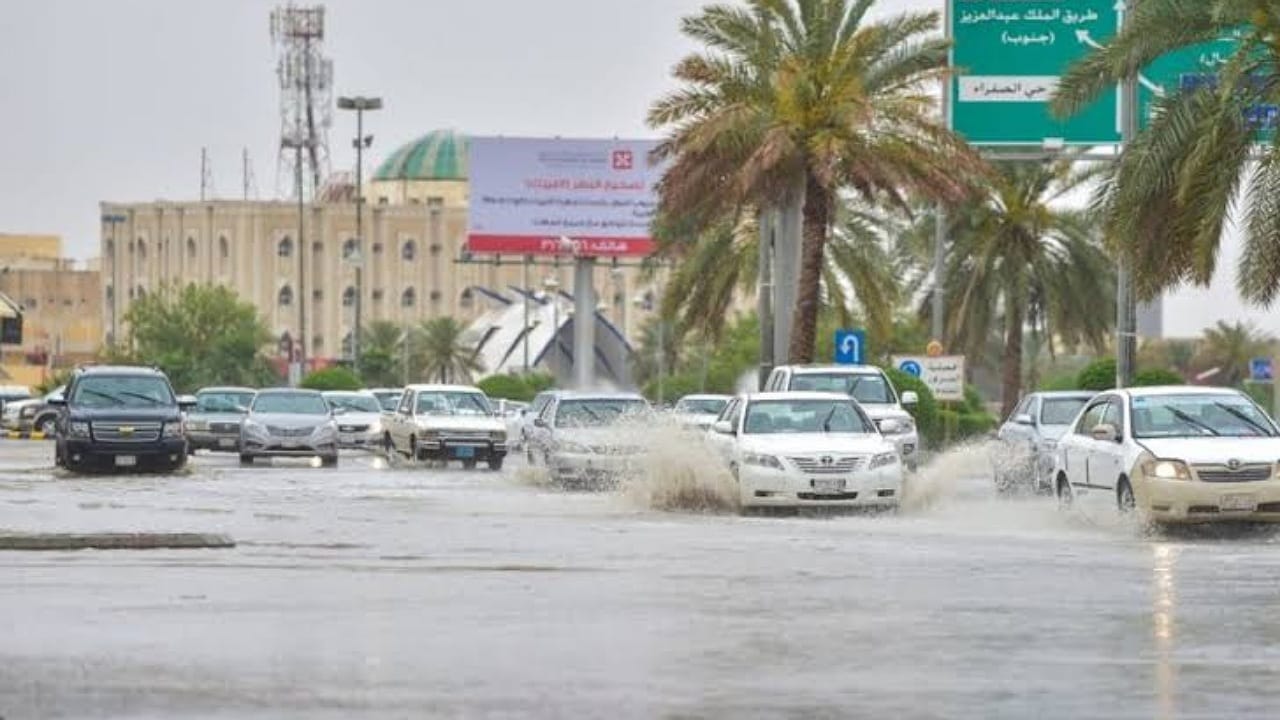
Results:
x,y
910,397
724,427
1023,419
58,402
1105,432
539,422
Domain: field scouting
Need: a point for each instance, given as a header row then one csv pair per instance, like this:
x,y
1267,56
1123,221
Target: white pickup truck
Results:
x,y
443,423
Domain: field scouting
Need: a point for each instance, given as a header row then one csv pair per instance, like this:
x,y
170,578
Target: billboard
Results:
x,y
529,194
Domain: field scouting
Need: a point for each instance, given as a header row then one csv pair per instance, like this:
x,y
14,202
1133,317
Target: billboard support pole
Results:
x,y
1126,308
584,326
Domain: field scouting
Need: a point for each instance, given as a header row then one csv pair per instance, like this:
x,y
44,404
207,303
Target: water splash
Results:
x,y
680,472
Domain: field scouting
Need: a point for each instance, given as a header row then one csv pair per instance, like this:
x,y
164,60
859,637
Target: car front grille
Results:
x,y
829,464
353,428
127,432
277,431
222,427
464,435
1244,473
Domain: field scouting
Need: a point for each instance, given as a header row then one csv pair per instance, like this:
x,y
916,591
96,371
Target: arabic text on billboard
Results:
x,y
529,193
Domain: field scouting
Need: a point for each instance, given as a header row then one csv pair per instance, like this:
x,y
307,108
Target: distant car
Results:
x,y
799,449
536,406
1174,454
33,414
869,386
9,393
1022,457
588,439
512,413
289,423
441,423
359,417
214,422
388,398
119,417
700,411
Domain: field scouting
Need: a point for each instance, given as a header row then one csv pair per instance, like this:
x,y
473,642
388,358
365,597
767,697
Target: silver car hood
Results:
x,y
881,411
290,420
358,418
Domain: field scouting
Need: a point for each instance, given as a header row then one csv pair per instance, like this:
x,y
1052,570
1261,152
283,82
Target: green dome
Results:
x,y
439,155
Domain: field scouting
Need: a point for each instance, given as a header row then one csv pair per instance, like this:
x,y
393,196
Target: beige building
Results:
x,y
415,223
61,302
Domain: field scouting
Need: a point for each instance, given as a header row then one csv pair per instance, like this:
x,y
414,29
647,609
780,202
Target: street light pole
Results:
x,y
359,104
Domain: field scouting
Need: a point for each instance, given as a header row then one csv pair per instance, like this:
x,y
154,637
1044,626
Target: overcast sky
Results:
x,y
113,99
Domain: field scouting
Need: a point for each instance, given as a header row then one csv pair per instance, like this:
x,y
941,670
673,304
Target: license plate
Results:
x,y
226,442
126,460
464,451
827,485
1238,503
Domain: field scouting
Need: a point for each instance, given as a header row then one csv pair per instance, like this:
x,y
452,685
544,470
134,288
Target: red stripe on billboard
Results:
x,y
545,245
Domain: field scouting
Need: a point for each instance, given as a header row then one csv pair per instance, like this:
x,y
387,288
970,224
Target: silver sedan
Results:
x,y
289,423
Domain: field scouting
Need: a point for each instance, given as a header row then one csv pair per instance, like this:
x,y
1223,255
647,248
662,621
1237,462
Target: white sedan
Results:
x,y
798,449
1175,454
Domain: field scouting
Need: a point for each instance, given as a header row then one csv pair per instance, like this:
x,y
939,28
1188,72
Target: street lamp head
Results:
x,y
358,102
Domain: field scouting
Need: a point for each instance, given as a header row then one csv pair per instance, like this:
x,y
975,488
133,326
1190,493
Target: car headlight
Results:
x,y
498,436
883,460
570,446
79,429
1166,469
253,428
760,460
172,430
375,427
325,430
896,426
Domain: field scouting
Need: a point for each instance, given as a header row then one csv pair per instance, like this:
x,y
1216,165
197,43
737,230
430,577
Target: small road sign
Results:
x,y
851,347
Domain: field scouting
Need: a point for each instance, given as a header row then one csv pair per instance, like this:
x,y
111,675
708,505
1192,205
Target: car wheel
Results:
x,y
246,459
414,452
1063,491
495,462
1125,502
329,461
47,426
469,464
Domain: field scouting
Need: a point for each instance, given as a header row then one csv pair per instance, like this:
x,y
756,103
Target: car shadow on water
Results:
x,y
1229,531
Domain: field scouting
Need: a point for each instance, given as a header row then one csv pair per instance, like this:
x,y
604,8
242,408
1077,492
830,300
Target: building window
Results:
x,y
224,247
377,248
30,304
111,249
409,251
111,293
191,248
377,295
435,296
408,298
317,342
435,248
349,249
142,248
142,292
317,294
285,298
619,299
349,297
467,299
285,248
317,247
348,345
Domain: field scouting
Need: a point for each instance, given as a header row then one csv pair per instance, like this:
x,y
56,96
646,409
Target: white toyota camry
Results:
x,y
1176,454
807,449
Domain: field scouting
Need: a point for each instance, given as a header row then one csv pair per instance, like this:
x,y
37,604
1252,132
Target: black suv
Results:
x,y
119,417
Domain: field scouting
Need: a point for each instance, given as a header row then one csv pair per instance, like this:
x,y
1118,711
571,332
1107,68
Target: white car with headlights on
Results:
x,y
289,423
589,440
870,387
359,418
798,449
440,423
1174,454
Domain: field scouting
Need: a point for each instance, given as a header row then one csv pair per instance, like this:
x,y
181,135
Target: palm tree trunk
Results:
x,y
1011,366
817,217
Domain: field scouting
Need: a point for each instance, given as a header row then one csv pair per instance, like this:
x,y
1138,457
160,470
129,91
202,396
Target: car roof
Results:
x,y
119,370
839,369
443,388
225,389
290,391
1050,394
1177,390
347,393
600,395
806,395
386,390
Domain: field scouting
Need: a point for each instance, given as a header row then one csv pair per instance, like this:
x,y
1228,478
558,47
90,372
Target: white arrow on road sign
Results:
x,y
850,346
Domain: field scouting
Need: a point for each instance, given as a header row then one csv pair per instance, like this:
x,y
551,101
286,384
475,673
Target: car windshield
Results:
x,y
223,402
453,403
1060,411
1225,415
865,388
354,403
290,404
601,412
105,391
388,400
770,417
701,406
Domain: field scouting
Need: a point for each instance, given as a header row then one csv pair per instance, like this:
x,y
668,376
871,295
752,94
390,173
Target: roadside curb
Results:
x,y
113,541
33,435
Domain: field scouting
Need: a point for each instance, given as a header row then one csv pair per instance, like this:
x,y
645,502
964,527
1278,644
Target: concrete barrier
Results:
x,y
113,541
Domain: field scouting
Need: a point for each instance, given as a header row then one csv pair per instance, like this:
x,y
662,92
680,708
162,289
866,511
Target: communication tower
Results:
x,y
306,97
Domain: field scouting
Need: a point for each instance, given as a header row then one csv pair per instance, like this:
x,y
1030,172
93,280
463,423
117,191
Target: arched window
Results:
x,y
111,293
317,342
467,299
285,248
377,248
317,294
224,247
377,295
435,296
348,345
285,298
142,292
435,248
409,251
317,247
349,297
348,248
191,248
408,298
111,249
142,248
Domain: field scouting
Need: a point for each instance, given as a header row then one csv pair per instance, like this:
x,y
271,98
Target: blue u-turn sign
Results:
x,y
851,347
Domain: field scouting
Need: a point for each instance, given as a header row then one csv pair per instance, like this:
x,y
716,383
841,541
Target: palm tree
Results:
x,y
1018,262
441,351
799,99
1175,186
1230,347
381,353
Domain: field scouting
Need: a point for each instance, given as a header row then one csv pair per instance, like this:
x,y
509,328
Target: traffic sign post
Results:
x,y
851,347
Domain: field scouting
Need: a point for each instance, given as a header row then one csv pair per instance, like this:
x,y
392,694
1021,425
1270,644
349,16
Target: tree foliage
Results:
x,y
382,354
332,378
199,335
441,352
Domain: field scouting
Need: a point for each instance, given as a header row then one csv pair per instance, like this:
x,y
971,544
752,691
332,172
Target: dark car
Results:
x,y
120,417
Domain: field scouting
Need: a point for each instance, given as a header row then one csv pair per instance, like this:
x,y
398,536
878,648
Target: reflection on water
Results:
x,y
1164,604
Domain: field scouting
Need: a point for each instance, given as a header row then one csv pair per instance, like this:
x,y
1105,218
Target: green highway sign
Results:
x,y
1009,55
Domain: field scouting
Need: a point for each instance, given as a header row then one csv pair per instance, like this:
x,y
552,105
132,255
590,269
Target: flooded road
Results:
x,y
374,592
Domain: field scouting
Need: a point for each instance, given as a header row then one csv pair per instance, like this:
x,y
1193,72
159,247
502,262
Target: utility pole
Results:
x,y
1126,308
524,280
764,297
937,307
360,105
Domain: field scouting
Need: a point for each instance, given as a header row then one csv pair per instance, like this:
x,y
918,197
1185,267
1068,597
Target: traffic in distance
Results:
x,y
817,436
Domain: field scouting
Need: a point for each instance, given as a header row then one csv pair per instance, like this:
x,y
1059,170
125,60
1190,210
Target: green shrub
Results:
x,y
925,412
957,426
1098,375
507,387
538,382
1157,376
674,387
334,378
1068,381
